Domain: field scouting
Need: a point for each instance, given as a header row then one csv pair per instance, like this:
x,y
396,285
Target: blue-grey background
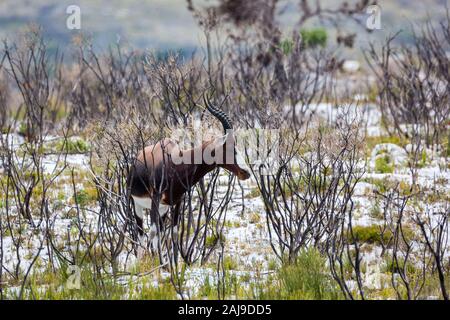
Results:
x,y
167,24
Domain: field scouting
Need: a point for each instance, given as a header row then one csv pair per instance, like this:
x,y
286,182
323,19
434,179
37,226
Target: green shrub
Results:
x,y
163,291
372,234
375,212
213,239
286,46
255,217
369,234
207,289
393,267
383,164
72,146
4,130
307,278
448,147
51,285
311,38
272,264
314,37
229,263
381,185
423,159
303,183
23,129
85,196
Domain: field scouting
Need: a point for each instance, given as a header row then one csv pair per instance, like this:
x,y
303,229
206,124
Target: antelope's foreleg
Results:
x,y
139,216
155,227
140,204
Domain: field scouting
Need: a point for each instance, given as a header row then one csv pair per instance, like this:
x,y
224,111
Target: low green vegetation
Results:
x,y
316,37
49,285
311,38
370,234
307,278
212,240
255,218
386,184
23,129
71,146
423,159
254,193
374,234
229,263
375,212
390,266
286,46
448,146
272,264
383,164
85,196
380,185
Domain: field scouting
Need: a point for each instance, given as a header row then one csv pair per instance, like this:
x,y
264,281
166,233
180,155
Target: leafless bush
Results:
x,y
434,230
310,194
31,70
26,202
399,244
413,87
36,76
4,98
308,75
199,222
268,68
178,85
114,152
107,86
415,242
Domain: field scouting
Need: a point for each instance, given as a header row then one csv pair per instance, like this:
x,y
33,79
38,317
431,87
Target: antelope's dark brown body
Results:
x,y
155,175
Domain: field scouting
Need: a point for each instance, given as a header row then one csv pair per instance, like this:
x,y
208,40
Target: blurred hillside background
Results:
x,y
168,25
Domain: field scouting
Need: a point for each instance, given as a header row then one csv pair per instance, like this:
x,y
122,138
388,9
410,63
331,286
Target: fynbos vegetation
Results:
x,y
347,195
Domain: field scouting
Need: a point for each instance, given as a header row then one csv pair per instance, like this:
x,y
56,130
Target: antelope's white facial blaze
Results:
x,y
228,157
242,165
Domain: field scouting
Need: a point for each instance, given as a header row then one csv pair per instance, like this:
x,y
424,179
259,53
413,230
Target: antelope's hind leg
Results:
x,y
140,204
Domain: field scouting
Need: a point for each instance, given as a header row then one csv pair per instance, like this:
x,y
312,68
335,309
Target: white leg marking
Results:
x,y
241,162
142,241
143,202
155,243
146,203
163,209
142,248
139,211
154,237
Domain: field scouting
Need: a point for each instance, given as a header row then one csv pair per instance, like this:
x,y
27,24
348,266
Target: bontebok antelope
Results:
x,y
163,173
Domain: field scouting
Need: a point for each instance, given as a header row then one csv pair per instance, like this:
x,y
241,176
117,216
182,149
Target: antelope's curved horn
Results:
x,y
219,114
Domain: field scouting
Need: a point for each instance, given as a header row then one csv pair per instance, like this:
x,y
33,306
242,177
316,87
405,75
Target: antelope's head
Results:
x,y
224,147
